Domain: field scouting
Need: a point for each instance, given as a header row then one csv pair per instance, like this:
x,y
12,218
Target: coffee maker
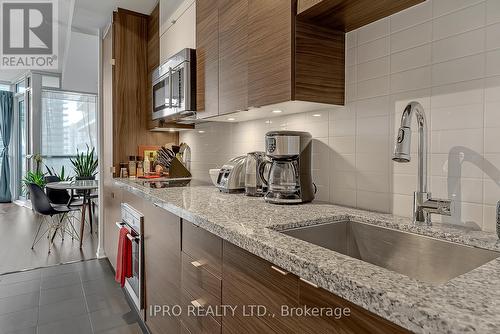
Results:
x,y
289,177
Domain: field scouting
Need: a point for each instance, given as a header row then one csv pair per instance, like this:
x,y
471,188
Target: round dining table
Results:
x,y
85,187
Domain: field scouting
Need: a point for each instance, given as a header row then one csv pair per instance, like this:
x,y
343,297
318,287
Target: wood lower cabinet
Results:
x,y
112,214
254,281
204,247
359,321
201,279
250,280
188,266
162,253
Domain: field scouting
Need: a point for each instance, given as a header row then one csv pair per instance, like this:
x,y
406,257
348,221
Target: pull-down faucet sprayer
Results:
x,y
423,204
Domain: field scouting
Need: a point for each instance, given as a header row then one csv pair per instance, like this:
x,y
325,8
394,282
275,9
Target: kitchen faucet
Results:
x,y
423,204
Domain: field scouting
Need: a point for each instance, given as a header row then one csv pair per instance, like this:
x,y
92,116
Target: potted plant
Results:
x,y
62,175
85,164
36,176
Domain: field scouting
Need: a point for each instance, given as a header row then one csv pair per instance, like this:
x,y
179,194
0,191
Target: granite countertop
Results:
x,y
469,303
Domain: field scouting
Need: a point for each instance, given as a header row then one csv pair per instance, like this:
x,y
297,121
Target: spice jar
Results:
x,y
140,167
123,170
132,166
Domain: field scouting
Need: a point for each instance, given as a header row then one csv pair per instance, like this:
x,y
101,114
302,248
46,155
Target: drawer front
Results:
x,y
261,283
360,321
184,330
197,324
199,283
243,320
203,247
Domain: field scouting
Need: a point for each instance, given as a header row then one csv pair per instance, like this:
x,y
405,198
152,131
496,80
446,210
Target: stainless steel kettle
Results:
x,y
254,185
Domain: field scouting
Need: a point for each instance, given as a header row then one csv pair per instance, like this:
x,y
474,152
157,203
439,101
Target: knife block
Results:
x,y
177,169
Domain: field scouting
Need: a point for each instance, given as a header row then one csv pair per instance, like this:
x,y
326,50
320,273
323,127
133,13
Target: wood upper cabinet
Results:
x,y
162,254
270,48
348,15
207,58
233,55
250,54
254,53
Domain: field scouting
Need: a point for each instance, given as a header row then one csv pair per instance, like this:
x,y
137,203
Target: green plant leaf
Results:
x,y
85,164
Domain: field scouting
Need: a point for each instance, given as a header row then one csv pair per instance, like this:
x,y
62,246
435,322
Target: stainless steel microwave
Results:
x,y
174,87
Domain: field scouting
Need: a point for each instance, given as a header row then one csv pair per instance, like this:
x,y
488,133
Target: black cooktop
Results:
x,y
173,183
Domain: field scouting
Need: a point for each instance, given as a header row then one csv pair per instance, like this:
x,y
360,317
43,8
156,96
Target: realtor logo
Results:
x,y
29,34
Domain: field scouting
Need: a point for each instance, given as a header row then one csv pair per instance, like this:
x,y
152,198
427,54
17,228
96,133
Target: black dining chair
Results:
x,y
62,197
53,215
56,196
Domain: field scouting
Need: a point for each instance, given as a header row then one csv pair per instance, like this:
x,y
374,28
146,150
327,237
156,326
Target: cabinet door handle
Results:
x,y
281,271
196,304
197,264
308,282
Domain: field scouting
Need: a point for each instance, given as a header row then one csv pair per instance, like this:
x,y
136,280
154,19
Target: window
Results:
x,y
69,122
50,81
20,88
4,87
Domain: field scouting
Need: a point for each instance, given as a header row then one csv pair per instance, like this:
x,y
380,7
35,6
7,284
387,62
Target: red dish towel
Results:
x,y
124,258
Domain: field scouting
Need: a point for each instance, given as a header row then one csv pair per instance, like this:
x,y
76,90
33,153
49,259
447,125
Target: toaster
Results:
x,y
231,177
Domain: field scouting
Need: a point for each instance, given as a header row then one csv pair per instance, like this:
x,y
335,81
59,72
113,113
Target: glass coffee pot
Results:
x,y
282,178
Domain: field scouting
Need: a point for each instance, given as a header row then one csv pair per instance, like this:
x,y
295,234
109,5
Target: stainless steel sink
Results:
x,y
419,257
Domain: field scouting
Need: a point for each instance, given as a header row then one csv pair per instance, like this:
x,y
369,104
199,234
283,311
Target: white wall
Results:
x,y
181,34
80,72
444,54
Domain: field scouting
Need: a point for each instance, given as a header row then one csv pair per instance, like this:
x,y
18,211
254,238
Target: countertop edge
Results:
x,y
386,304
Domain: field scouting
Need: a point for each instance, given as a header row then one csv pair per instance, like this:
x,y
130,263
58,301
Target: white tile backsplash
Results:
x,y
441,7
466,44
412,16
462,69
492,11
372,69
373,50
444,54
373,31
493,36
459,21
411,58
411,37
493,62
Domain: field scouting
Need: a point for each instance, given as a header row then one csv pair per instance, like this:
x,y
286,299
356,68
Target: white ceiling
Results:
x,y
89,16
92,15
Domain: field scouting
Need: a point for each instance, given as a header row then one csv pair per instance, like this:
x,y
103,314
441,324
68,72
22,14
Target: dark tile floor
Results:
x,y
77,298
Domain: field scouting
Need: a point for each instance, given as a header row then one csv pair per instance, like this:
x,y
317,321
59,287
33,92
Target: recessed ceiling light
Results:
x,y
316,115
231,119
269,122
201,131
277,111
